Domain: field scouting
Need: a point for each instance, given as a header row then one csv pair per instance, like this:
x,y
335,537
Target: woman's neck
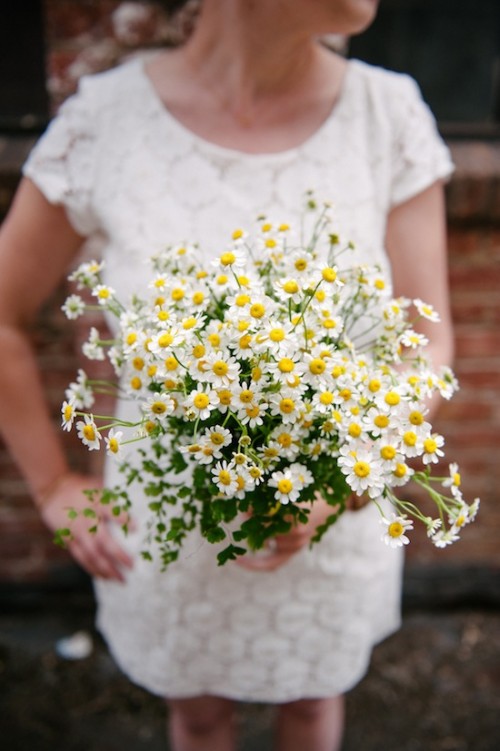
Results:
x,y
250,54
251,77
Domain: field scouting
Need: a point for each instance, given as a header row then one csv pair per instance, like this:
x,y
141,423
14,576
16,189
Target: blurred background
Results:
x,y
435,685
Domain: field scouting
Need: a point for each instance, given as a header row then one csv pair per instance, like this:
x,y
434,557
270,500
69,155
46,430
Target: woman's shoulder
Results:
x,y
112,85
383,81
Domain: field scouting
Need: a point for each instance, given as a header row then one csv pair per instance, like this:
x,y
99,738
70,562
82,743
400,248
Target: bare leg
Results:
x,y
204,723
312,724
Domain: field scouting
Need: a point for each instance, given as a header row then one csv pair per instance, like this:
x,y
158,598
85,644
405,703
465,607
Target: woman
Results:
x,y
246,116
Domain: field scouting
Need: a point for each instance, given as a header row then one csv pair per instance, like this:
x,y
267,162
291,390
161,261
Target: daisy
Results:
x,y
287,486
362,470
74,307
426,311
395,530
160,406
218,437
92,347
432,449
80,392
220,369
104,293
225,477
68,414
454,480
88,433
202,401
113,443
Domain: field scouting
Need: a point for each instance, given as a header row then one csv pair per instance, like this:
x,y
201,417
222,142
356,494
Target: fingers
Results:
x,y
263,562
100,554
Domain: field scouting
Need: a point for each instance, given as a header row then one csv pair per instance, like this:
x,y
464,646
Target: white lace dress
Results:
x,y
133,179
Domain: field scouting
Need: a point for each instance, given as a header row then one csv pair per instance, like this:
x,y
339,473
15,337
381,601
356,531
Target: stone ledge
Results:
x,y
473,193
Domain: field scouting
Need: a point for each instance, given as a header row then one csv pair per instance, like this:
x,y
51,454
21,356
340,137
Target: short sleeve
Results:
x,y
62,163
420,156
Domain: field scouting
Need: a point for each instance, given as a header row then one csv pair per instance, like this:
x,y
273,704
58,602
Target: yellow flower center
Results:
x,y
198,351
354,430
317,366
430,445
291,287
171,363
374,385
286,365
165,340
246,396
388,452
224,397
201,401
326,397
242,300
276,335
189,323
395,529
400,470
287,406
285,486
224,477
220,368
113,445
198,298
252,411
392,398
361,469
159,408
285,440
136,383
89,433
257,310
245,341
68,412
381,421
301,264
227,259
138,363
329,274
256,373
410,438
214,339
131,338
217,439
177,294
416,418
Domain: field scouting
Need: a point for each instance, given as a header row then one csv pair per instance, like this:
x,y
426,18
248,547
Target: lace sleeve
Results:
x,y
62,162
420,157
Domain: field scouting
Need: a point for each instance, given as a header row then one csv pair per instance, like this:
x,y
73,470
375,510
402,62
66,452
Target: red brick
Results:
x,y
475,341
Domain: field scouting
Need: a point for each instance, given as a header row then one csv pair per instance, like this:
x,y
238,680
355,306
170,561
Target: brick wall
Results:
x,y
470,422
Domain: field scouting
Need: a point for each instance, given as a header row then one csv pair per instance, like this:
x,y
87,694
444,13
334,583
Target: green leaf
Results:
x,y
215,534
229,554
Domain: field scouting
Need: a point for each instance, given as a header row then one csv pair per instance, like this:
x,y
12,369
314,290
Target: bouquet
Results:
x,y
276,374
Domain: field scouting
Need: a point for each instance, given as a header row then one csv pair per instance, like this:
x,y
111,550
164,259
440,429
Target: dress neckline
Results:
x,y
338,106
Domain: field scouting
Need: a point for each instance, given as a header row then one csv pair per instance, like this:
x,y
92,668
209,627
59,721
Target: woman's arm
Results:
x,y
37,244
416,244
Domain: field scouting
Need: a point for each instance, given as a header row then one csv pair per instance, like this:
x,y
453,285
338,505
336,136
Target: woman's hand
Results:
x,y
97,552
281,548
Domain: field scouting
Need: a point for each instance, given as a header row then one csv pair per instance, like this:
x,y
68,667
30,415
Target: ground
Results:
x,y
433,686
